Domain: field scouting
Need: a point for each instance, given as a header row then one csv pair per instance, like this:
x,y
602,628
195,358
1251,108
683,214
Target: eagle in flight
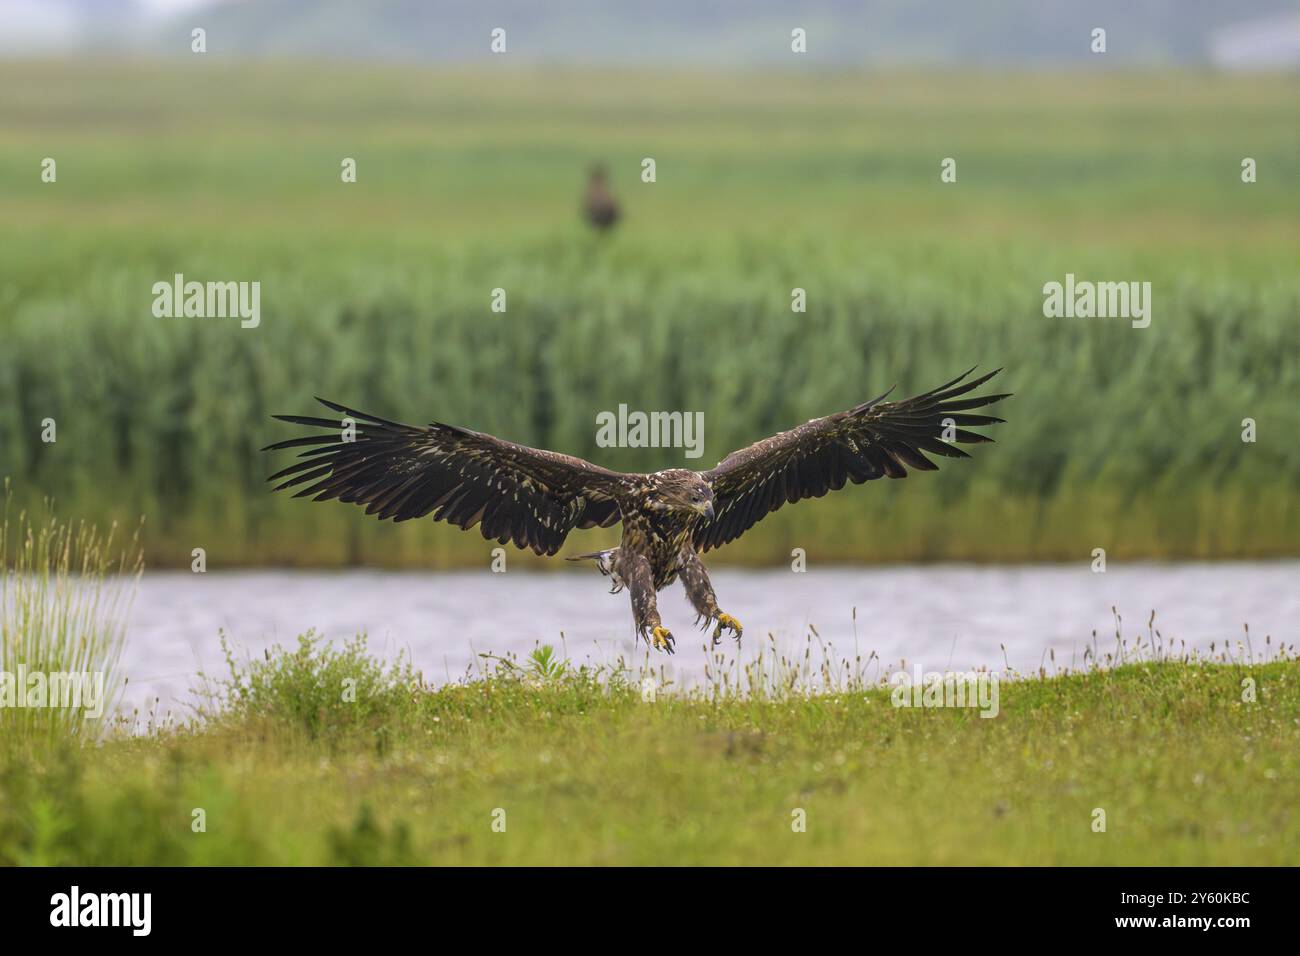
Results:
x,y
534,498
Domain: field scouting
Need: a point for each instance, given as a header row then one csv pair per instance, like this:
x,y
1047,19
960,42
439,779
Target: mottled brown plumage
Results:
x,y
534,498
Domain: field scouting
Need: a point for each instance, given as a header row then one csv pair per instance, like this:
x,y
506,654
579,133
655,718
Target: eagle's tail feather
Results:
x,y
605,562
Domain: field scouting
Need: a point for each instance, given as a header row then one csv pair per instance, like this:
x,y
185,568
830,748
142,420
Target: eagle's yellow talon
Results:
x,y
729,622
662,639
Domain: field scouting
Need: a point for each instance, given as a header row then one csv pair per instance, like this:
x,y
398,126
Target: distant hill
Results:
x,y
704,32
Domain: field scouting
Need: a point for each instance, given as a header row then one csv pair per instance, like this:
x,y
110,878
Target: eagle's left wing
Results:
x,y
875,439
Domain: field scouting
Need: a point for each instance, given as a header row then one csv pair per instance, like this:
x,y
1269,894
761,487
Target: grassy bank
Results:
x,y
377,293
286,769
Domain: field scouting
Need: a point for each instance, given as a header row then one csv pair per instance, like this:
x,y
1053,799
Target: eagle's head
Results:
x,y
679,489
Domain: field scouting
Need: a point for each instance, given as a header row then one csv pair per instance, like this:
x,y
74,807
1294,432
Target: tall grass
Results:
x,y
1117,438
64,599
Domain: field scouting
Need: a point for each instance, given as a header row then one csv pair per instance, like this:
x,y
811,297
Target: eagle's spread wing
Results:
x,y
525,495
876,438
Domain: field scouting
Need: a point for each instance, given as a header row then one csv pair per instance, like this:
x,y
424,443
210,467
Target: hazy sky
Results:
x,y
173,6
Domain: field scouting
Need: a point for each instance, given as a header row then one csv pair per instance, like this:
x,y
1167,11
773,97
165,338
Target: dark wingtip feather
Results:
x,y
872,402
360,416
311,420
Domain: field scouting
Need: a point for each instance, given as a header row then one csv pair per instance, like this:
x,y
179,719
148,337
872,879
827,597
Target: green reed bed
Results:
x,y
1127,439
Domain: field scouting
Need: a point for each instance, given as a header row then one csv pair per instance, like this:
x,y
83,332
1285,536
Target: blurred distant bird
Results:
x,y
535,498
599,205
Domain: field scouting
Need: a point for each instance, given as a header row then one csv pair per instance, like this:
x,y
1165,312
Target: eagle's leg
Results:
x,y
635,571
696,581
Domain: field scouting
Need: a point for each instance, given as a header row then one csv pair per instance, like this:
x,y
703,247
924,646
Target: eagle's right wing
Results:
x,y
515,493
875,439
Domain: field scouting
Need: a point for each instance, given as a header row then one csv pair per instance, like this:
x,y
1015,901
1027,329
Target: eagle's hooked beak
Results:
x,y
707,509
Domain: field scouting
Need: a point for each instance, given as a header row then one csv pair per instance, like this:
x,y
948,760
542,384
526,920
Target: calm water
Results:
x,y
934,615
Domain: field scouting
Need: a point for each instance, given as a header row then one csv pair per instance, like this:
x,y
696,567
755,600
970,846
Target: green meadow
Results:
x,y
549,762
377,293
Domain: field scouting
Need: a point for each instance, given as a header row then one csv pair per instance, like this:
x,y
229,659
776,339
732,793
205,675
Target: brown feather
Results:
x,y
512,492
872,440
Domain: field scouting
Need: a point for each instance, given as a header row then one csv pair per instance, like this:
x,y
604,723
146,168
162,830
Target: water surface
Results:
x,y
939,616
